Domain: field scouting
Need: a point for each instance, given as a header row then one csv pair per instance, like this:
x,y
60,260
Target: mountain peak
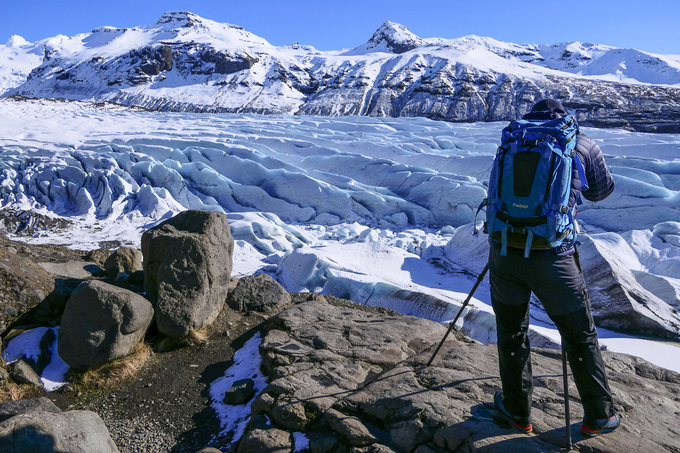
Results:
x,y
179,19
393,37
17,41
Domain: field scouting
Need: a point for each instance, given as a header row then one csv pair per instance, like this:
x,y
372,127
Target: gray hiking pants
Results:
x,y
558,283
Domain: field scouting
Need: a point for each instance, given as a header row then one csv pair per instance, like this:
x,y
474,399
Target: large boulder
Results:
x,y
73,432
23,285
259,292
101,322
187,267
125,259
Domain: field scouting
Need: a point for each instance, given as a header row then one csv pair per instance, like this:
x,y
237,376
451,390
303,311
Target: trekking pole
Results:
x,y
567,418
453,323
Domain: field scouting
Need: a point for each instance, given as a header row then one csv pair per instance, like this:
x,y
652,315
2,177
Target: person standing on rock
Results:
x,y
521,262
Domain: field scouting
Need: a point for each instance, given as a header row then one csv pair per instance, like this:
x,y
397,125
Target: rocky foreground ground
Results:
x,y
348,373
350,377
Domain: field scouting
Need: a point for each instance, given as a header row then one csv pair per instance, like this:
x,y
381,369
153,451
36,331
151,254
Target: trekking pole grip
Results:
x,y
453,323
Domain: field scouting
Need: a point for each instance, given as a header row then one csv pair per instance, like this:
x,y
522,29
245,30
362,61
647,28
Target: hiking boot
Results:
x,y
521,423
601,426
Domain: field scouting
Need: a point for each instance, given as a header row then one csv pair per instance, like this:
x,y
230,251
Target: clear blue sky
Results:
x,y
652,25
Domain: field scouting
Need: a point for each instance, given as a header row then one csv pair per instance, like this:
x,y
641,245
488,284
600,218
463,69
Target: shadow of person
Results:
x,y
28,438
558,436
486,432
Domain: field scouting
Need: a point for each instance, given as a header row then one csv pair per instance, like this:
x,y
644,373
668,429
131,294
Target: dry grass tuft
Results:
x,y
193,338
112,374
11,391
196,337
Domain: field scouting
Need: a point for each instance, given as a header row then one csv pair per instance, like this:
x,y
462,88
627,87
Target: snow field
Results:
x,y
246,365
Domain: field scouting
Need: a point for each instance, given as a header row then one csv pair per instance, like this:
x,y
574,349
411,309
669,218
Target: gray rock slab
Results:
x,y
187,267
350,428
289,414
72,269
262,403
101,322
347,362
9,409
266,441
72,432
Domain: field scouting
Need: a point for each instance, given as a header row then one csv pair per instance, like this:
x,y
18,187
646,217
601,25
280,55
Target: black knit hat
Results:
x,y
545,110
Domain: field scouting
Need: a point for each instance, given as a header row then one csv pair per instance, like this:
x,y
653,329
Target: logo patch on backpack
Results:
x,y
528,199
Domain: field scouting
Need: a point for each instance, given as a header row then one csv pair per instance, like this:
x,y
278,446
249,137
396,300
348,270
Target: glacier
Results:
x,y
379,210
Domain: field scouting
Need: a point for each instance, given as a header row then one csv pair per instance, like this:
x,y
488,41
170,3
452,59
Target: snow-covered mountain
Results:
x,y
186,63
17,58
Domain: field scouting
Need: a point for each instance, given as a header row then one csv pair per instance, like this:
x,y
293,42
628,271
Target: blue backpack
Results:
x,y
527,206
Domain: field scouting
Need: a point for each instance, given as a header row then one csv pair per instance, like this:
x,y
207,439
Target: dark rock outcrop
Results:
x,y
155,61
136,279
187,266
23,285
240,392
210,61
102,322
259,293
20,222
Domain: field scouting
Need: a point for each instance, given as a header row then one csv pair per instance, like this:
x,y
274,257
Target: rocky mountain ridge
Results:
x,y
186,63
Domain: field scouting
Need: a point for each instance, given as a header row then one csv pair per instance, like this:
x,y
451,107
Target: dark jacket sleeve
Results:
x,y
600,181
